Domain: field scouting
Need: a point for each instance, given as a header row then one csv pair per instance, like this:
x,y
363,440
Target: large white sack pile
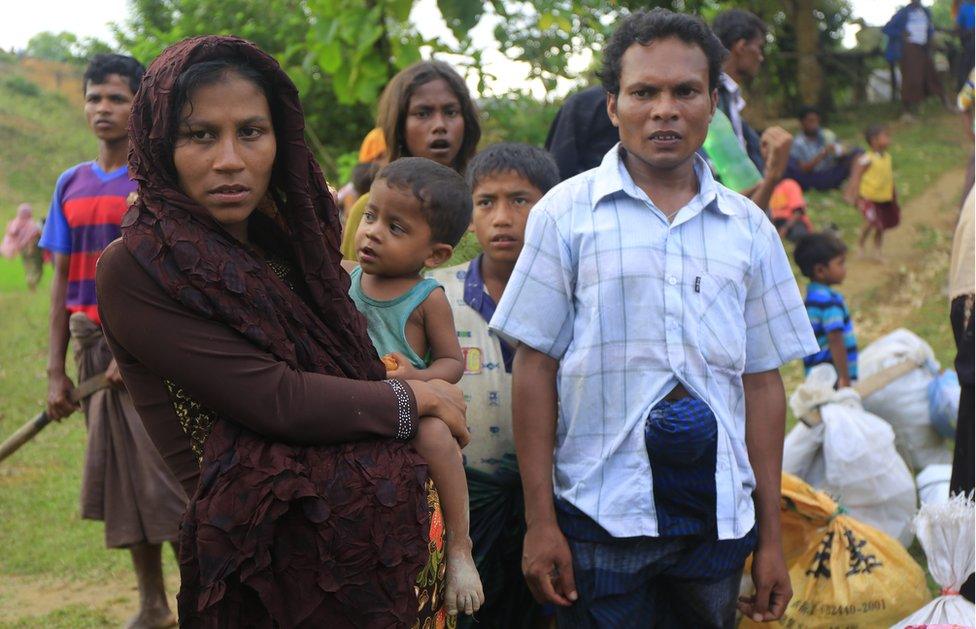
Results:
x,y
905,402
851,455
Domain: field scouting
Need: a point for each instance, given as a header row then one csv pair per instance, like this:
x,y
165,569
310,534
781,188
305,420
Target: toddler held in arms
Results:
x,y
417,212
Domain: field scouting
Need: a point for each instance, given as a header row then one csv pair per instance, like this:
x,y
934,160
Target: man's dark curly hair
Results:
x,y
735,24
103,65
643,27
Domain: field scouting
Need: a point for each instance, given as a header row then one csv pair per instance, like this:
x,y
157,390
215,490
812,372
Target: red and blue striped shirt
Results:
x,y
84,218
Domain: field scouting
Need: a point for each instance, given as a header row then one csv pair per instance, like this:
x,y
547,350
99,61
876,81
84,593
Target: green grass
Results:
x,y
70,617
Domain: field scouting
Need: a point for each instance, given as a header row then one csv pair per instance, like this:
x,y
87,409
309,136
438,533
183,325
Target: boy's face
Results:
x,y
833,272
501,208
394,239
107,107
664,105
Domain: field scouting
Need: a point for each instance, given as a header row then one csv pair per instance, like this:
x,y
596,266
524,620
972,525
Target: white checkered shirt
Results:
x,y
630,306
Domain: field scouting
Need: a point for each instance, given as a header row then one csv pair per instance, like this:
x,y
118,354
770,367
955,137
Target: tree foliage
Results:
x,y
546,33
65,46
341,53
283,28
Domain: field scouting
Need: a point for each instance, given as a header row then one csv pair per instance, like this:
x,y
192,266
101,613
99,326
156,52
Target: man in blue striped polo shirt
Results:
x,y
652,309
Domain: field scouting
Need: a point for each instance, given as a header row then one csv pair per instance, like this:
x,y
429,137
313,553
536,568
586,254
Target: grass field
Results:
x,y
55,572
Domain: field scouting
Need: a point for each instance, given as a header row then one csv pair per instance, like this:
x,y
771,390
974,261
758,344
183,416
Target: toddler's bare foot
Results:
x,y
463,592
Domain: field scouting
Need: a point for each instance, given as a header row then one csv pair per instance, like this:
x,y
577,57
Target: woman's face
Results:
x,y
434,126
225,150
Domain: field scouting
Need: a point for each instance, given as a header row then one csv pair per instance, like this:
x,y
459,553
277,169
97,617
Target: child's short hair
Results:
x,y
105,64
362,176
814,249
445,201
531,163
874,131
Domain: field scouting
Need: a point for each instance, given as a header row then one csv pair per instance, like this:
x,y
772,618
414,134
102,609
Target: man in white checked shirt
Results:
x,y
653,308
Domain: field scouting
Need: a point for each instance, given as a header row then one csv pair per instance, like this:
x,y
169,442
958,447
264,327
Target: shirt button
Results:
x,y
672,280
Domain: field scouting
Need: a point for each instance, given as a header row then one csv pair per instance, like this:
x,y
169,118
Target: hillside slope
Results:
x,y
41,134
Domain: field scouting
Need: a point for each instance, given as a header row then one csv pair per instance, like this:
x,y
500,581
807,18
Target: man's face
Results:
x,y
664,105
810,123
749,55
107,107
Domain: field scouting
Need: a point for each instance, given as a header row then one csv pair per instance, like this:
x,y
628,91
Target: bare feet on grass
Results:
x,y
152,618
463,592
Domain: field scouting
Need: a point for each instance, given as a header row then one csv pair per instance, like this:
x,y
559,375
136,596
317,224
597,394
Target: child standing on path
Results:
x,y
872,188
417,211
506,181
821,259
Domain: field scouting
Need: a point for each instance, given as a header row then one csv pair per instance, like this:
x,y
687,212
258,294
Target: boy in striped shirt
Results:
x,y
821,258
125,483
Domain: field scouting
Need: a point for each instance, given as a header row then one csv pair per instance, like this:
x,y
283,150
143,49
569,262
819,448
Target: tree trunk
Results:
x,y
809,72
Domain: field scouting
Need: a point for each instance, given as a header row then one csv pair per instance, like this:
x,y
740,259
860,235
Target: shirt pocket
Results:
x,y
721,325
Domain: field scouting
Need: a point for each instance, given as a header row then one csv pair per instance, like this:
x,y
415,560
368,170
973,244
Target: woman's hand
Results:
x,y
444,401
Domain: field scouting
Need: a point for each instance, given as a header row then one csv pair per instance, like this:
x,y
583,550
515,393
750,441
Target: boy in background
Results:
x,y
872,188
506,181
821,259
125,482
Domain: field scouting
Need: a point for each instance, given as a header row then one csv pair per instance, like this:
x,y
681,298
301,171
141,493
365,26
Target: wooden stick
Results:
x,y
871,384
29,430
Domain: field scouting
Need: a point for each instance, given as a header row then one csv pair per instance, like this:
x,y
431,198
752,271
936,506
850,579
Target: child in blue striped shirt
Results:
x,y
821,258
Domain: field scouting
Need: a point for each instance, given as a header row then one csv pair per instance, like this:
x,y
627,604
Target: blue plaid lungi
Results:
x,y
685,577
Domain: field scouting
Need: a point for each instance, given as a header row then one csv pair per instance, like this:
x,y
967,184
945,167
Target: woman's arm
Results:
x,y
225,372
854,181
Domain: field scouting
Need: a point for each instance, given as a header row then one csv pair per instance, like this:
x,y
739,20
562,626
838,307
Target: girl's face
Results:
x,y
225,150
434,126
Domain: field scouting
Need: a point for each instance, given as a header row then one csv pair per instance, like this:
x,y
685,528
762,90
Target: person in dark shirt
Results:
x,y
581,133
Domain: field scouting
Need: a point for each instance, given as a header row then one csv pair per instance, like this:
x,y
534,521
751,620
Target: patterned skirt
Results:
x,y
430,581
287,536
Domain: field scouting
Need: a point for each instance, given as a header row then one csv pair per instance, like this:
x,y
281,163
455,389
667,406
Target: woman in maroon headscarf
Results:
x,y
227,310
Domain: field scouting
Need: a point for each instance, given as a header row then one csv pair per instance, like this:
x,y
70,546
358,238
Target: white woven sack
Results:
x,y
905,402
946,532
933,483
850,455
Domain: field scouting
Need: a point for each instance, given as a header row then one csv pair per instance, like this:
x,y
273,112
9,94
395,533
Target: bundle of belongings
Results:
x,y
844,573
850,454
918,401
946,533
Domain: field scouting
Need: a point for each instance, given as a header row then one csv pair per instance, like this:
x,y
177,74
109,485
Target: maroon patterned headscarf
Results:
x,y
204,268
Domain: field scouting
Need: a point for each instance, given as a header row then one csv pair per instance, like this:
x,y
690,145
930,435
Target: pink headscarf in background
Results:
x,y
21,233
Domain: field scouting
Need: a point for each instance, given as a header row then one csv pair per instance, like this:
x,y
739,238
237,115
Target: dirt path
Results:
x,y
114,599
915,263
